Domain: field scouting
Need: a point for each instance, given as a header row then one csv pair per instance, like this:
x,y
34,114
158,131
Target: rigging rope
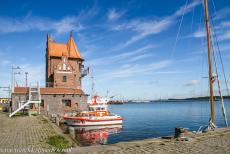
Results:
x,y
179,29
218,49
216,69
219,89
192,19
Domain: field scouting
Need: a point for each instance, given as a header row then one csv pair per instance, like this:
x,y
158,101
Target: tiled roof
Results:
x,y
59,49
24,90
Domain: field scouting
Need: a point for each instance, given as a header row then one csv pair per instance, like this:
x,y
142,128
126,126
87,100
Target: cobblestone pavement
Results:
x,y
217,142
24,134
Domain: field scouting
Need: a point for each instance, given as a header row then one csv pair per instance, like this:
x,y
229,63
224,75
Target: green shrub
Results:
x,y
58,142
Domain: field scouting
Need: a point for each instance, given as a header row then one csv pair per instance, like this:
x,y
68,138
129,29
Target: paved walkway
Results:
x,y
217,142
24,134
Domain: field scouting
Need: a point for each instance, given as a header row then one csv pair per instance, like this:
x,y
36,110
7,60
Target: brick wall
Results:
x,y
53,103
16,99
54,75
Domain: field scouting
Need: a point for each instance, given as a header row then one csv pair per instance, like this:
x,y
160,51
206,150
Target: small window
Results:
x,y
64,66
66,102
42,103
64,78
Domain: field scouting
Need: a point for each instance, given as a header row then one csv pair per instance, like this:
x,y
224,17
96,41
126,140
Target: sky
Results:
x,y
137,49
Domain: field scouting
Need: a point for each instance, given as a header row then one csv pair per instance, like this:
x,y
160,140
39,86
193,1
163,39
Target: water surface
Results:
x,y
147,120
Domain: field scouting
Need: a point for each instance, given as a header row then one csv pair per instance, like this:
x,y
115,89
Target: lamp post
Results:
x,y
12,76
15,73
26,73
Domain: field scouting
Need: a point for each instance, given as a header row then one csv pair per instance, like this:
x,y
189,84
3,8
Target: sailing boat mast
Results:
x,y
209,60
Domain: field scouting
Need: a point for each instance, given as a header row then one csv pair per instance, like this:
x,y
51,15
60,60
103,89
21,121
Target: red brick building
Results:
x,y
63,91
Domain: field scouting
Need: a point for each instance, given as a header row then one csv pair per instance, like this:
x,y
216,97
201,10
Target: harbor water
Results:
x,y
148,120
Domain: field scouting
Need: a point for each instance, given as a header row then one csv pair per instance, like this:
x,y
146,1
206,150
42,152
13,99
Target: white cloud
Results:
x,y
4,62
135,70
170,72
225,48
126,56
225,35
221,30
225,24
30,22
223,13
186,9
191,83
145,28
114,14
10,25
199,34
67,24
138,57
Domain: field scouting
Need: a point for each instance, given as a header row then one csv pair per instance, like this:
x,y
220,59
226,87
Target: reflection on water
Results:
x,y
93,135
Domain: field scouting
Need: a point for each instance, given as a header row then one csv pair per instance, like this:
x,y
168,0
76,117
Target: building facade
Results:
x,y
63,92
4,100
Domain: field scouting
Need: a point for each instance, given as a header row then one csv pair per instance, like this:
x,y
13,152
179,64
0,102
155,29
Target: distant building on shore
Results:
x,y
4,100
63,90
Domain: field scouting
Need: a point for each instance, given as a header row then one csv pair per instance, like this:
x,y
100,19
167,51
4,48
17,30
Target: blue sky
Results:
x,y
130,45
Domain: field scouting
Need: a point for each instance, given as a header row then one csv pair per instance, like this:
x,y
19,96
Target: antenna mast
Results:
x,y
92,88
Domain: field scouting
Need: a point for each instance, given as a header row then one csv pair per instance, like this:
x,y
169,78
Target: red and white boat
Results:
x,y
97,114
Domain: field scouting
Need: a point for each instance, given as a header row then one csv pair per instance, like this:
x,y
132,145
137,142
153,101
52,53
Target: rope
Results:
x,y
221,97
179,29
218,49
192,19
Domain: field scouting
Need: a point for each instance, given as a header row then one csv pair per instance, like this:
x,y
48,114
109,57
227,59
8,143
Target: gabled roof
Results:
x,y
72,48
60,49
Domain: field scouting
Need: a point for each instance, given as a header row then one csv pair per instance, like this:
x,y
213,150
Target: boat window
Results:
x,y
85,115
91,109
98,108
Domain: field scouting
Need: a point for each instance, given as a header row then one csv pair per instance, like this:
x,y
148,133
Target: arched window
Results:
x,y
64,66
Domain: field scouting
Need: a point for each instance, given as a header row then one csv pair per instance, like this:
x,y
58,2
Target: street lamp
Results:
x,y
26,73
15,73
12,76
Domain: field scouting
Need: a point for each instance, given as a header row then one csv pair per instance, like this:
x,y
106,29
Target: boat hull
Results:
x,y
105,122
